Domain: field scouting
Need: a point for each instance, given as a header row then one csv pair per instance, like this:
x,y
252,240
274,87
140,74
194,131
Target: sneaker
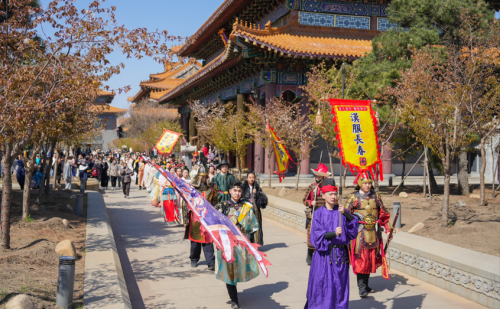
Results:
x,y
194,264
124,196
235,305
128,197
370,290
211,267
308,260
363,295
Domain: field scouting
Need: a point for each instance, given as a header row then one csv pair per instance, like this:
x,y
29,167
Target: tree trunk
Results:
x,y
462,175
425,173
432,180
49,167
298,174
54,180
482,185
447,172
6,195
495,161
26,193
239,166
403,175
27,182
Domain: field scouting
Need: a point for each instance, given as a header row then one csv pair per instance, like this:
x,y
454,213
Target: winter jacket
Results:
x,y
114,170
126,173
21,173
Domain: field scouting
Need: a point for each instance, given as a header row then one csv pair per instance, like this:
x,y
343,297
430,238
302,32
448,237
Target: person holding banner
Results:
x,y
245,266
313,200
367,249
193,228
328,285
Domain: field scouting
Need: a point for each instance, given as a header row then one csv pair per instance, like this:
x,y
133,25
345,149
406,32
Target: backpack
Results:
x,y
94,172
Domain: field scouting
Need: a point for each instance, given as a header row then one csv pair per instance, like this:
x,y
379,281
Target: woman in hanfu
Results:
x,y
155,193
168,201
245,267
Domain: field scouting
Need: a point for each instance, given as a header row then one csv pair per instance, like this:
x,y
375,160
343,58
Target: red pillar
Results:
x,y
270,89
304,110
258,150
386,160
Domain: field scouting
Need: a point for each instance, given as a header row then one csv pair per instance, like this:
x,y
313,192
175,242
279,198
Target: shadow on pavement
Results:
x,y
260,296
403,302
266,248
378,283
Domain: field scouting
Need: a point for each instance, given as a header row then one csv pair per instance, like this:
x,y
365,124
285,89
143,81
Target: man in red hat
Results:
x,y
313,200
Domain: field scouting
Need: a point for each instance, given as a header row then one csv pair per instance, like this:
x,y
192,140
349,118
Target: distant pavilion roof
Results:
x,y
164,81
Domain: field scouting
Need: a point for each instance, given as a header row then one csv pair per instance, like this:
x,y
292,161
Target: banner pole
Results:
x,y
341,174
340,163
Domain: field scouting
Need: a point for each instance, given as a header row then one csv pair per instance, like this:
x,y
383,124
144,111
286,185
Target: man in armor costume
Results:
x,y
193,229
366,249
313,200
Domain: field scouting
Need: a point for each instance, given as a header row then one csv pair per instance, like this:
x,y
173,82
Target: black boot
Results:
x,y
310,253
369,289
233,295
363,284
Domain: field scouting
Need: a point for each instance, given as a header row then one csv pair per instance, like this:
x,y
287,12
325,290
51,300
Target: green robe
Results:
x,y
245,267
223,182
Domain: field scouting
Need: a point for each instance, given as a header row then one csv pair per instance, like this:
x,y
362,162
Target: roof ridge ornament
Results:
x,y
268,26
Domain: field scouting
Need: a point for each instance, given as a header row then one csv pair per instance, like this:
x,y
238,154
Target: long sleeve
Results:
x,y
318,232
308,196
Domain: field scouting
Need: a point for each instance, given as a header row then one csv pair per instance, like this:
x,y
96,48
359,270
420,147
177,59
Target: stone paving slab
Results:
x,y
156,265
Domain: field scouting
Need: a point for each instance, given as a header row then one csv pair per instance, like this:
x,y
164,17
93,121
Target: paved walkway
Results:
x,y
157,269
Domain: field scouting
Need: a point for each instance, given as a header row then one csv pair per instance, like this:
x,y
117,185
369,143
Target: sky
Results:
x,y
178,17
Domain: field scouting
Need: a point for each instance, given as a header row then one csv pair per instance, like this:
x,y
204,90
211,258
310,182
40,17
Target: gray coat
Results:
x,y
126,173
67,172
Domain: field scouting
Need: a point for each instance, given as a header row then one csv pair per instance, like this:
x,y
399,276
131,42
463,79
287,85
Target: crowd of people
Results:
x,y
338,236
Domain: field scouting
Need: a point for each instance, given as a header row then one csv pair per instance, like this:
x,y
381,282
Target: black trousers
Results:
x,y
363,283
310,252
233,293
126,188
208,250
113,181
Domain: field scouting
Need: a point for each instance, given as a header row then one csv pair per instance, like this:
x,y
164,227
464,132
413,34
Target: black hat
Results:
x,y
224,162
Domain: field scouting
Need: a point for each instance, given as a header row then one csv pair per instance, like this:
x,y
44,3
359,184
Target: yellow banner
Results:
x,y
356,127
282,155
166,143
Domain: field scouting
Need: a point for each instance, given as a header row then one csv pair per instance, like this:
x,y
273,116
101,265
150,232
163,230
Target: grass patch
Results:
x,y
29,219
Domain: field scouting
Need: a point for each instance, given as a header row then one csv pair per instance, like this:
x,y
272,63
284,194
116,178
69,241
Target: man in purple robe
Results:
x,y
328,286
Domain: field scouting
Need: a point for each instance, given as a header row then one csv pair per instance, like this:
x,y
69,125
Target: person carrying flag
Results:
x,y
329,274
245,267
367,248
313,200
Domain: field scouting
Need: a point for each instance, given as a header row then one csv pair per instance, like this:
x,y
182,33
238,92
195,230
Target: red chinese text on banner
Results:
x,y
357,133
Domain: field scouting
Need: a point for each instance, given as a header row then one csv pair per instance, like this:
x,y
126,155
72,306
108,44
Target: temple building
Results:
x,y
160,84
264,49
108,115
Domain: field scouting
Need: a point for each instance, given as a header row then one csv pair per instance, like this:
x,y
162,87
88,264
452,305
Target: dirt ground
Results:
x,y
473,227
31,265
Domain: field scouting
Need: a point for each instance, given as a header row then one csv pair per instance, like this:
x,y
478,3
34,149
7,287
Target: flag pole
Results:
x,y
341,174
